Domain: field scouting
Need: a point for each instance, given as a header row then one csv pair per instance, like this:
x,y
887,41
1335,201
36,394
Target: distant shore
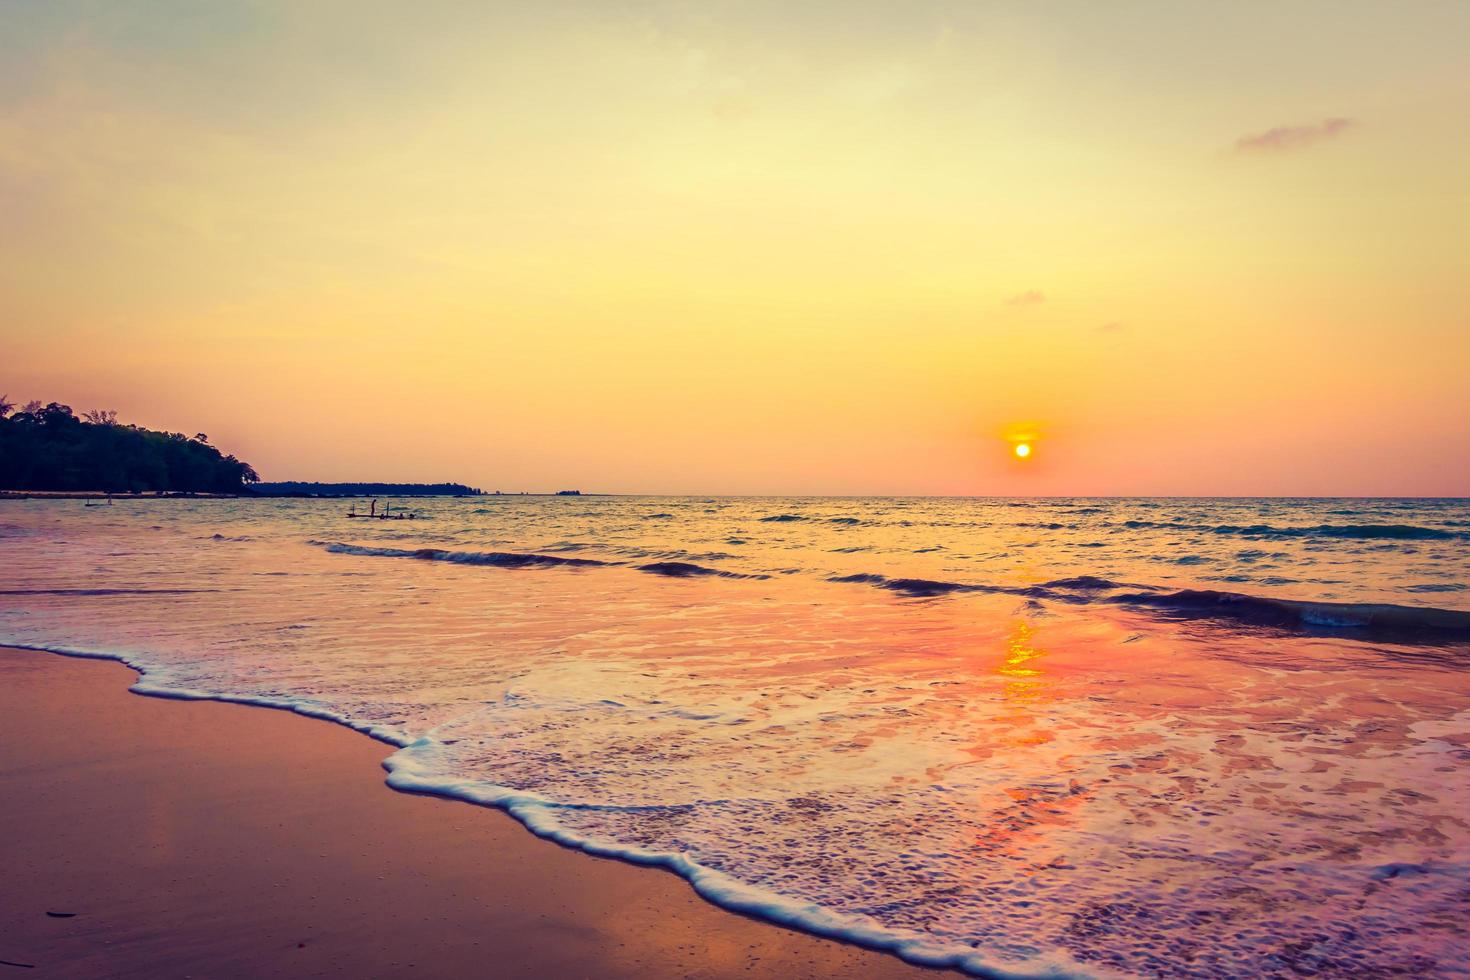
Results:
x,y
149,837
103,495
169,494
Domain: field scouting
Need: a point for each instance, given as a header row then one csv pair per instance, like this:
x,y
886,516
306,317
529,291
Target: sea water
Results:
x,y
1019,737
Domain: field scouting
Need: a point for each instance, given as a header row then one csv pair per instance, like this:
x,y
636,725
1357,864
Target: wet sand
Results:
x,y
190,838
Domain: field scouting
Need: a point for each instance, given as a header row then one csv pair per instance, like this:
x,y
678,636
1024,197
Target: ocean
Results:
x,y
1052,737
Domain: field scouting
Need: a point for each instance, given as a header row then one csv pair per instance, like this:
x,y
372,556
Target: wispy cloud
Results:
x,y
1281,138
1029,298
1113,326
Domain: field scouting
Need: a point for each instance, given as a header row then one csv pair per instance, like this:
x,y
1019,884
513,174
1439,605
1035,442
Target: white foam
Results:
x,y
408,772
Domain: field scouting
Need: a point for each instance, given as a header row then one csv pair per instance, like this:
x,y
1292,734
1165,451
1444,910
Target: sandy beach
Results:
x,y
152,837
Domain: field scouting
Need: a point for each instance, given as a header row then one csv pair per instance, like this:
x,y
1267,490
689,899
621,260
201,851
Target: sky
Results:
x,y
850,248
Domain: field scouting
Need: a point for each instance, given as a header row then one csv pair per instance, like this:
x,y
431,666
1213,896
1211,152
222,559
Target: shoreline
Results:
x,y
193,836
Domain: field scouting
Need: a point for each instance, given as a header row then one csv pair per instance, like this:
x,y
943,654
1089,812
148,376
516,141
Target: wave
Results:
x,y
1083,583
782,518
1368,532
517,559
923,588
499,559
663,554
1362,532
1378,618
1255,554
104,592
861,578
916,587
1382,620
684,569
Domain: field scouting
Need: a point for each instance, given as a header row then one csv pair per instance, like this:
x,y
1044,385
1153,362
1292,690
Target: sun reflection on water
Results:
x,y
1025,686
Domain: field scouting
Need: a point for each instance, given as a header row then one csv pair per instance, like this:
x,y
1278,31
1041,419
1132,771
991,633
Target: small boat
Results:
x,y
386,515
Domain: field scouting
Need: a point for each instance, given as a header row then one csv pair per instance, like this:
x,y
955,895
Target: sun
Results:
x,y
1021,440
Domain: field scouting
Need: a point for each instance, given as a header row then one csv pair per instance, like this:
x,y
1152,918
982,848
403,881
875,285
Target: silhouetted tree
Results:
x,y
49,448
295,488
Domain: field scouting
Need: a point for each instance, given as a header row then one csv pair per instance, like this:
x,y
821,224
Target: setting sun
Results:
x,y
1022,450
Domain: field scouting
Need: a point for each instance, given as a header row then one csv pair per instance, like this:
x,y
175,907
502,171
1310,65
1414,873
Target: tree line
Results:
x,y
48,447
297,488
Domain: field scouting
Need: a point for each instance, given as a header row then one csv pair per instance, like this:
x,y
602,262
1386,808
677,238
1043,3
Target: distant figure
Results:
x,y
373,508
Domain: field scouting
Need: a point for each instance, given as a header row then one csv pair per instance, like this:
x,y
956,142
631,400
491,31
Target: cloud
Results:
x,y
1112,326
1281,138
1029,298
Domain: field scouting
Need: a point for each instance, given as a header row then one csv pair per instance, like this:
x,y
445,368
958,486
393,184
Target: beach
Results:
x,y
1041,738
197,838
731,489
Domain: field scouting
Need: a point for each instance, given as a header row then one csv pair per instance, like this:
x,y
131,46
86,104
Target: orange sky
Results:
x,y
721,247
